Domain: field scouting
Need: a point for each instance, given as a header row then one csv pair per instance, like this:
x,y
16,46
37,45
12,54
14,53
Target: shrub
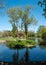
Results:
x,y
31,34
44,36
30,42
20,43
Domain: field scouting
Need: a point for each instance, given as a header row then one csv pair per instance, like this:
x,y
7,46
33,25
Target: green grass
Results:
x,y
8,39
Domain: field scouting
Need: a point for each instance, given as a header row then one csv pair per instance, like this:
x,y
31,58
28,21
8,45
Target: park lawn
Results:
x,y
8,39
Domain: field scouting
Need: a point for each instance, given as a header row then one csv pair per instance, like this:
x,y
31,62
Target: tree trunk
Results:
x,y
27,55
26,30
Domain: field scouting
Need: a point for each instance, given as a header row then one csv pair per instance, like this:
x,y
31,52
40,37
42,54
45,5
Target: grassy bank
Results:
x,y
21,43
8,39
18,43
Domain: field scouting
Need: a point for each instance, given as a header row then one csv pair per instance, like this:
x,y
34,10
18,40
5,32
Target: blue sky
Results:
x,y
5,25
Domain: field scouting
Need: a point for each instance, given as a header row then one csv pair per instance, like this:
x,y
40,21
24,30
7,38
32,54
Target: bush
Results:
x,y
31,42
20,43
31,34
44,36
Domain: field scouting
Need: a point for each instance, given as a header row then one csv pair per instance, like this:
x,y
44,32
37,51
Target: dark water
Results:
x,y
37,53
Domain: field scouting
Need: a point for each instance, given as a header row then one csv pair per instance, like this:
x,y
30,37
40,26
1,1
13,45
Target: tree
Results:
x,y
13,15
40,28
6,33
44,33
27,20
14,30
43,36
1,34
24,14
39,32
44,7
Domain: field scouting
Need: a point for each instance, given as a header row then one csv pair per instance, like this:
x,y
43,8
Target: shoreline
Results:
x,y
2,41
28,45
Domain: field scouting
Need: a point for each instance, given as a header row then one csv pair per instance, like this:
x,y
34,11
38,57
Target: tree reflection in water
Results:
x,y
24,60
26,55
16,57
42,46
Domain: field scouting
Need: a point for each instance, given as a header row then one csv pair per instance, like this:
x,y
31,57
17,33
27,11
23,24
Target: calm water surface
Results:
x,y
37,53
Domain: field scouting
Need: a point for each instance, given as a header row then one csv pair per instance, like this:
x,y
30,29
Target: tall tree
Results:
x,y
27,19
13,15
44,7
24,15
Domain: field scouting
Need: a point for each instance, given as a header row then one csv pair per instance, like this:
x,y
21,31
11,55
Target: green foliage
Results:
x,y
12,14
44,34
6,33
14,30
26,19
38,35
20,43
8,38
16,44
40,30
43,2
31,34
32,42
18,13
43,42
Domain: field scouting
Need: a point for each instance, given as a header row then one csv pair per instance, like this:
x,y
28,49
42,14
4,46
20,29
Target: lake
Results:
x,y
37,53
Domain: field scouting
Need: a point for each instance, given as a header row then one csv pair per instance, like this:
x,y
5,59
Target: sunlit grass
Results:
x,y
8,39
